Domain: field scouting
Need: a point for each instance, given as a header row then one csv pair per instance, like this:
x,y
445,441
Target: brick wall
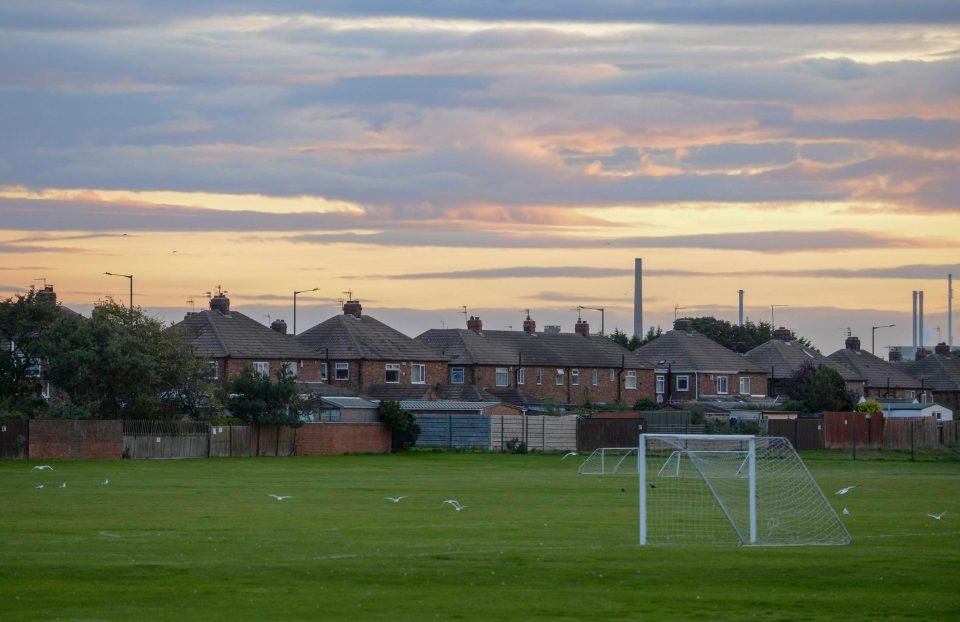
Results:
x,y
708,383
332,439
308,371
368,372
75,439
605,391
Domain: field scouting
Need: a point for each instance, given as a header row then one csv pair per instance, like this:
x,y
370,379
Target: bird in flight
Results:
x,y
568,454
396,499
456,504
280,497
937,516
844,491
43,467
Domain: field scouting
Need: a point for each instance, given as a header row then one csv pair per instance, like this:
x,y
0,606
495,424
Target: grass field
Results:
x,y
200,539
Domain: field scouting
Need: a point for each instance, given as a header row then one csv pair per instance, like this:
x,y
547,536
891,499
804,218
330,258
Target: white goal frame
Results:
x,y
747,470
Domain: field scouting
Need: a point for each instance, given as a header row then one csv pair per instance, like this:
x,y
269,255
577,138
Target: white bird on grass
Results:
x,y
105,482
937,516
456,504
43,467
63,485
280,497
38,486
396,499
846,511
568,454
844,491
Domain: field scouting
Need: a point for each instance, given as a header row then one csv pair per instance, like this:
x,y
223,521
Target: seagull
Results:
x,y
43,467
846,511
568,454
844,491
63,485
937,516
396,499
280,497
38,486
456,504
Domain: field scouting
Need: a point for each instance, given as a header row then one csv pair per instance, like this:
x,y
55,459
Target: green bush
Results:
x,y
401,423
645,403
871,407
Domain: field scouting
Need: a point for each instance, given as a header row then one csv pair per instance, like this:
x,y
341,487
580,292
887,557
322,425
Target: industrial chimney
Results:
x,y
740,316
950,311
914,326
638,296
920,320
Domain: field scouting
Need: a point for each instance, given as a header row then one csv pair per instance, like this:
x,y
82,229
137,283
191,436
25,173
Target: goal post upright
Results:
x,y
752,458
642,476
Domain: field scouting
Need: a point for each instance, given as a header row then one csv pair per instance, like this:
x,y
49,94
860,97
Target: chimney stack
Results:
x,y
942,348
921,353
582,328
950,311
47,295
220,303
783,334
852,343
280,326
895,356
685,324
474,323
920,320
914,327
529,326
353,307
740,315
638,297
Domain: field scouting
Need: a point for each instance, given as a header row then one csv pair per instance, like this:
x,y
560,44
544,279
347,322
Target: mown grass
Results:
x,y
200,539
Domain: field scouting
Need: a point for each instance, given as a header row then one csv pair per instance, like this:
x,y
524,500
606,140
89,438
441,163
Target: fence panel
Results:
x,y
506,431
14,439
950,433
158,440
552,433
241,439
595,433
906,433
454,431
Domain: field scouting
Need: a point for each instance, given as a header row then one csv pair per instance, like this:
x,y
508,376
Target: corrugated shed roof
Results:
x,y
349,402
347,337
398,392
505,347
464,393
695,352
939,372
874,370
419,405
215,335
785,358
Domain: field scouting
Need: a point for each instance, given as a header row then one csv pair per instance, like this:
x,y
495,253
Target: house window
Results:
x,y
291,367
501,377
418,372
262,368
630,381
214,370
683,383
32,369
938,415
612,375
521,376
661,383
392,373
324,372
744,386
559,376
596,377
575,377
911,395
539,376
341,371
456,375
722,385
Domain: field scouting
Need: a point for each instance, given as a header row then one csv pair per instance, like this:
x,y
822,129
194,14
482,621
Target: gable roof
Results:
x,y
215,335
785,358
874,370
940,372
695,352
509,347
347,337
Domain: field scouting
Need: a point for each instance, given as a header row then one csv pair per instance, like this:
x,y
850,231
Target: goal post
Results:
x,y
734,489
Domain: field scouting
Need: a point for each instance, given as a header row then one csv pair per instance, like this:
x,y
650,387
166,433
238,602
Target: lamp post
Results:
x,y
126,276
873,336
302,291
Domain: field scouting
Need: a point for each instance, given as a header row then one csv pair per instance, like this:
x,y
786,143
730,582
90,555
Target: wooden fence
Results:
x,y
593,433
802,432
14,438
156,440
909,433
549,433
950,433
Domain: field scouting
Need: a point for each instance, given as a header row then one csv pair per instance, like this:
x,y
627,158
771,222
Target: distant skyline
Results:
x,y
501,156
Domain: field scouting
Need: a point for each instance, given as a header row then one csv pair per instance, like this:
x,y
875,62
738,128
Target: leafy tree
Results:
x,y
871,407
24,322
255,399
401,423
819,389
634,342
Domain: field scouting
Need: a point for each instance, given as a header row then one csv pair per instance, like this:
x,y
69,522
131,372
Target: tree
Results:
x,y
819,389
401,423
871,407
24,322
634,342
255,399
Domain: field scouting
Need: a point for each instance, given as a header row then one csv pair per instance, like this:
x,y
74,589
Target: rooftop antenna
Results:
x,y
773,322
220,291
678,308
463,310
42,278
349,294
578,308
602,314
193,305
269,319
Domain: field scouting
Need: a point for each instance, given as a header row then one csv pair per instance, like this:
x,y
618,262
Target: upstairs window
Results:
x,y
521,376
392,373
630,380
539,376
341,371
501,379
324,372
456,375
612,375
559,376
418,373
595,380
575,377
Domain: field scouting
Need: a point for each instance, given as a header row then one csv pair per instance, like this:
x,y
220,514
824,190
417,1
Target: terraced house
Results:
x,y
881,379
529,368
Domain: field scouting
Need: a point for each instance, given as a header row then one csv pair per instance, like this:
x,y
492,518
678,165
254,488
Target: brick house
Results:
x,y
939,374
232,341
528,368
690,367
363,354
881,379
783,357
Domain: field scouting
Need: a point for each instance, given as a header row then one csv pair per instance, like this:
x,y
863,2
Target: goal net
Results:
x,y
610,461
723,489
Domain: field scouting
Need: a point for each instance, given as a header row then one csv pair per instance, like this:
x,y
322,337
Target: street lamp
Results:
x,y
126,276
302,291
873,336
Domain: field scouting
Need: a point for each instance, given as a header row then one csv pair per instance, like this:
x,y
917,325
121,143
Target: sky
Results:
x,y
500,156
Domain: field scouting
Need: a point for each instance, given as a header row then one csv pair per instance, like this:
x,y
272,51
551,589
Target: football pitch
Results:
x,y
203,540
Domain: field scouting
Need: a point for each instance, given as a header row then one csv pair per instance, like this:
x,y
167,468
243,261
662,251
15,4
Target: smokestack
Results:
x,y
740,316
914,329
950,311
920,321
638,297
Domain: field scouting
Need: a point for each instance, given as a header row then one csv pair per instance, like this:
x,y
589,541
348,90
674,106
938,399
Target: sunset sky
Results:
x,y
498,155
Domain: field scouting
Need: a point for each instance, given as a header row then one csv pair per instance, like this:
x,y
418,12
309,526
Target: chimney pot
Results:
x,y
352,307
582,327
895,356
684,324
47,295
852,343
474,323
529,326
942,348
280,326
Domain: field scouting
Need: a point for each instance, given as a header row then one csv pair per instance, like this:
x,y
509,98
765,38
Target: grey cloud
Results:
x,y
518,272
914,271
931,133
736,155
834,68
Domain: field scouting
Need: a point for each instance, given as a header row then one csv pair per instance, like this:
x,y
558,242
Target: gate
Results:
x,y
14,438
